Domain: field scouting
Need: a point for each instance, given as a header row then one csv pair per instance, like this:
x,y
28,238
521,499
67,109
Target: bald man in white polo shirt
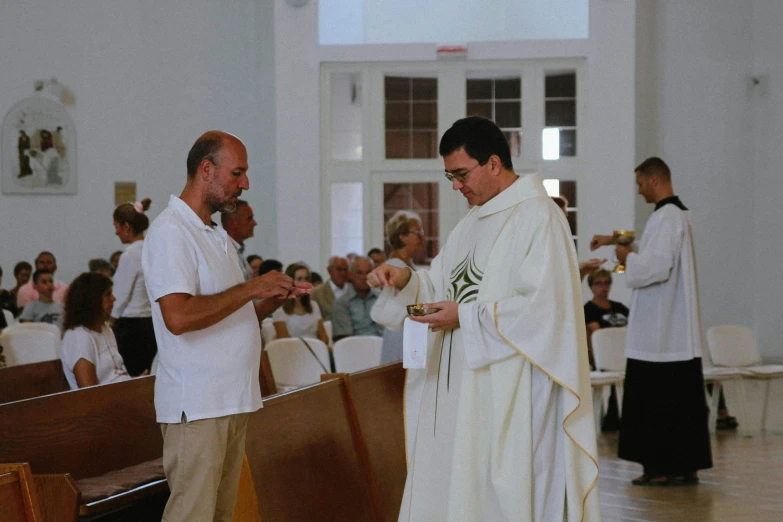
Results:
x,y
207,328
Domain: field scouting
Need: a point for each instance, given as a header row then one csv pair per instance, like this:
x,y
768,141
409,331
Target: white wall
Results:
x,y
149,78
694,112
764,258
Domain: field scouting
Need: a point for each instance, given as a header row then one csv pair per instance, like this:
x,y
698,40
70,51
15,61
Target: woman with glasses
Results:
x,y
406,237
600,311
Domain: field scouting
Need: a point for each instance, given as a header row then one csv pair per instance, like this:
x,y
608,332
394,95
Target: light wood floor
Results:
x,y
746,482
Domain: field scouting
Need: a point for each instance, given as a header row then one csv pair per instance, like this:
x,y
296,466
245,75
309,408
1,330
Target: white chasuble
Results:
x,y
499,424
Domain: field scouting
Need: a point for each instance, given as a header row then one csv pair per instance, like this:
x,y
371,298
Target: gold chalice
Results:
x,y
625,238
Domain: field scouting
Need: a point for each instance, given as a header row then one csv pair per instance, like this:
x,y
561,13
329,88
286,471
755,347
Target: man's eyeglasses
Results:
x,y
459,177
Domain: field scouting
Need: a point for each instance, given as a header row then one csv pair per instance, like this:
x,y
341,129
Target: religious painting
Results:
x,y
38,153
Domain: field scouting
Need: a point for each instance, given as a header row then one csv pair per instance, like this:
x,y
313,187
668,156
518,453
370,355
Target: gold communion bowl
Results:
x,y
419,309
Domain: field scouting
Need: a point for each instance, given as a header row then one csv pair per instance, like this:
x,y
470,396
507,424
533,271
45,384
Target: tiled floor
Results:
x,y
746,482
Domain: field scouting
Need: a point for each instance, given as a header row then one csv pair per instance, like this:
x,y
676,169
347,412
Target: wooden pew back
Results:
x,y
307,457
25,381
378,396
85,432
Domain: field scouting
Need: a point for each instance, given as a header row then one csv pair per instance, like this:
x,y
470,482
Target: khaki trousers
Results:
x,y
202,460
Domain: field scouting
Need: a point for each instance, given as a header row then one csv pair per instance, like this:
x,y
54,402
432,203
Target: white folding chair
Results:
x,y
609,355
297,361
9,317
25,343
599,382
357,353
268,332
329,330
735,346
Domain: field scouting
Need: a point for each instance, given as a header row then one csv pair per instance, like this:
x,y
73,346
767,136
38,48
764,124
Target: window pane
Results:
x,y
479,89
568,190
561,85
567,142
398,116
398,145
425,115
397,88
560,113
421,198
480,109
508,88
346,104
508,114
514,139
425,144
411,104
347,218
425,89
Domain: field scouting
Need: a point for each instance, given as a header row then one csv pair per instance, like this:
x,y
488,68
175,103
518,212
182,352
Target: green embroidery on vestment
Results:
x,y
465,279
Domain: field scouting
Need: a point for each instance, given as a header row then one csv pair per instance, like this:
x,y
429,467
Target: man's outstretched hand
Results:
x,y
389,275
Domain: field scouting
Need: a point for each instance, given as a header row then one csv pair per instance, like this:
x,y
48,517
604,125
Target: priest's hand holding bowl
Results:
x,y
445,318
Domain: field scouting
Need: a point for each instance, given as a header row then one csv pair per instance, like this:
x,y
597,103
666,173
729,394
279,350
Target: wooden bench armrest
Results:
x,y
59,497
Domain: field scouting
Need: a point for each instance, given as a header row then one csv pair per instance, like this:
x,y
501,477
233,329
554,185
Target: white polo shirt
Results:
x,y
211,372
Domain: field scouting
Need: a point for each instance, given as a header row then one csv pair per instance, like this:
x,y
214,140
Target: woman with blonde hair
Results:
x,y
406,237
300,317
132,312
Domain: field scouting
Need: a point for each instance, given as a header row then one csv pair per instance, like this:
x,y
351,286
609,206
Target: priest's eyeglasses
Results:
x,y
451,176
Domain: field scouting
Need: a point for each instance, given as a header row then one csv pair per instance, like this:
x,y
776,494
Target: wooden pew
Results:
x,y
25,381
378,398
99,436
19,500
307,458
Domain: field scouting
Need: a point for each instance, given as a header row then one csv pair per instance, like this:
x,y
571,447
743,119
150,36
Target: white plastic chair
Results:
x,y
25,343
293,364
268,332
600,381
9,317
357,353
609,355
734,346
329,330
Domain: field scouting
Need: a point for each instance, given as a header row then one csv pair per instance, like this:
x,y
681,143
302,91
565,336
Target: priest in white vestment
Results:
x,y
664,413
498,413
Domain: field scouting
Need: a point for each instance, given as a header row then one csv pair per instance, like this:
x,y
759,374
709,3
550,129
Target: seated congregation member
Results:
x,y
22,272
44,309
351,312
89,349
377,255
325,295
255,263
239,225
27,294
100,266
300,317
269,265
114,260
406,237
132,312
600,311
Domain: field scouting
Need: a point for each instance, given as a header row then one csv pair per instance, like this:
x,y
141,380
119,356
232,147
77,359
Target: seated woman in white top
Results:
x,y
299,317
89,349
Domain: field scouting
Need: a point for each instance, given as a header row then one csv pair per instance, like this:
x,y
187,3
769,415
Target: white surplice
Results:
x,y
665,323
499,424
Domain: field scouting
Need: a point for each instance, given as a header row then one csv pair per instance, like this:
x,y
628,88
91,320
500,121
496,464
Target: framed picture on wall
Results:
x,y
38,154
